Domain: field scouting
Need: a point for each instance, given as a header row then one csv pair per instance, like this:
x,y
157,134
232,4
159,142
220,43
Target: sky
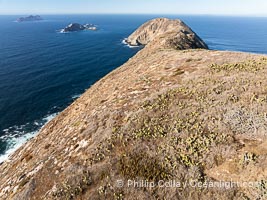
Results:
x,y
208,7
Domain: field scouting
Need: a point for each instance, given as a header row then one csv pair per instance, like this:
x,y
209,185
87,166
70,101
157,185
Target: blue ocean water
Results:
x,y
42,71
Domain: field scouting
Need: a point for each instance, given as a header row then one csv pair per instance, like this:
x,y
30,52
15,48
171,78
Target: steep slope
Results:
x,y
164,116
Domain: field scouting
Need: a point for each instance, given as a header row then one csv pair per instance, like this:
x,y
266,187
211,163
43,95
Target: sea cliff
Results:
x,y
175,112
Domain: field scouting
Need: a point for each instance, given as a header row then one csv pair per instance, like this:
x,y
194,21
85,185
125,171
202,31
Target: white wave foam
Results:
x,y
14,143
124,41
62,31
76,96
16,136
50,117
128,45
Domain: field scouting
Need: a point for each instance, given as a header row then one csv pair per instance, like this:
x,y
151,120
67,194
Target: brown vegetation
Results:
x,y
193,115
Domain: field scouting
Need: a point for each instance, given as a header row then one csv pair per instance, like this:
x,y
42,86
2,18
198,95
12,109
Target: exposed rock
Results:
x,y
29,18
78,27
169,33
164,115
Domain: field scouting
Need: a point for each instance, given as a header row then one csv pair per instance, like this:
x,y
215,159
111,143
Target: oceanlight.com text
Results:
x,y
192,184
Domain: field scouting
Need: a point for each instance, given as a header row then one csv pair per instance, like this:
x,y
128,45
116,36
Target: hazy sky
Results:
x,y
217,7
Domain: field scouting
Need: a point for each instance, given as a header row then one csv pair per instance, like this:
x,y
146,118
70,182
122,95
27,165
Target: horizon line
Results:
x,y
195,14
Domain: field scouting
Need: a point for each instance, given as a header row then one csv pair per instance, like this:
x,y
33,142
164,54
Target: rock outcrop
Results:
x,y
166,33
78,27
167,120
30,18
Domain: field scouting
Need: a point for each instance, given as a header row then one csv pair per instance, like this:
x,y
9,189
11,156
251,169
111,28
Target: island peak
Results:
x,y
172,33
74,27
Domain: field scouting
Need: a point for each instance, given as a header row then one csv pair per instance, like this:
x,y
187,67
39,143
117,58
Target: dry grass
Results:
x,y
185,131
178,115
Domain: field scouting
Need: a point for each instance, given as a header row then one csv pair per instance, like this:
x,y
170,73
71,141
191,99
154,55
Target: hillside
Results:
x,y
171,113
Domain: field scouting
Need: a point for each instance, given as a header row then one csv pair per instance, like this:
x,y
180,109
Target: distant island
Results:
x,y
73,27
30,18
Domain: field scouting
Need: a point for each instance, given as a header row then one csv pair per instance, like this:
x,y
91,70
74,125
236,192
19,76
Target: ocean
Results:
x,y
43,71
